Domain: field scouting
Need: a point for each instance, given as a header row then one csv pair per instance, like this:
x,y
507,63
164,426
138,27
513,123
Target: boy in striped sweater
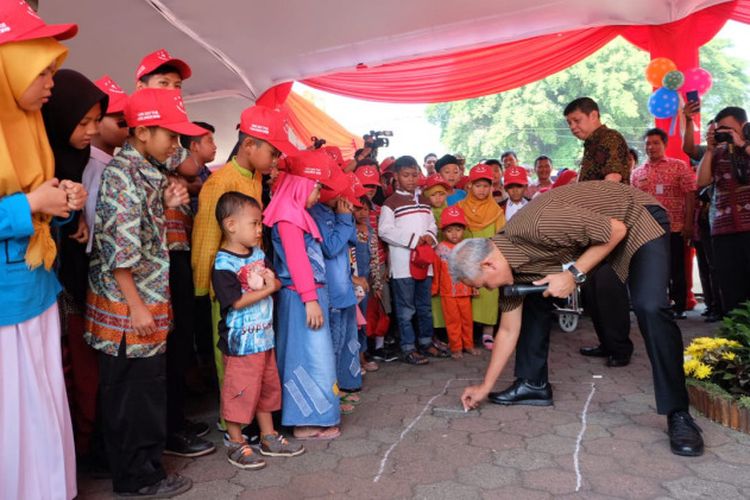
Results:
x,y
408,227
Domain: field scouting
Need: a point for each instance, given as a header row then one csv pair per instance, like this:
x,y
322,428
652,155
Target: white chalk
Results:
x,y
597,376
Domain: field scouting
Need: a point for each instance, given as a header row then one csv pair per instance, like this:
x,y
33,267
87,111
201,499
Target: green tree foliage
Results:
x,y
529,119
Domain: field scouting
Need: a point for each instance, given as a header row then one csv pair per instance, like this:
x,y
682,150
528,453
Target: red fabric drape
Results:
x,y
470,73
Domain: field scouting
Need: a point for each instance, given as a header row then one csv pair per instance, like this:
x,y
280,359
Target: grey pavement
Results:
x,y
410,438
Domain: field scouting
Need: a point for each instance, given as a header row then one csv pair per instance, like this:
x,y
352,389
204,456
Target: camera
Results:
x,y
723,136
379,139
317,143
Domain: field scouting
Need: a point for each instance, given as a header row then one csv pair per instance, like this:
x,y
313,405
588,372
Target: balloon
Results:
x,y
663,103
674,80
697,79
656,70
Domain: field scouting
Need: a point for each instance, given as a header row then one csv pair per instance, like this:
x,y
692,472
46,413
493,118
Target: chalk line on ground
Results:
x,y
576,453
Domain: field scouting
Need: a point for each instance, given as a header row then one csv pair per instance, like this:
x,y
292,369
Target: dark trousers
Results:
x,y
133,401
677,278
180,339
706,269
606,298
413,298
204,345
732,252
649,276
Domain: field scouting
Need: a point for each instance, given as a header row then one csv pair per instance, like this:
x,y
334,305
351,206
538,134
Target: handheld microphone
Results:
x,y
523,289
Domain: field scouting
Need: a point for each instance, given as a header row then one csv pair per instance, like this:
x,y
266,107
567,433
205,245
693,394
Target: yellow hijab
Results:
x,y
26,159
481,213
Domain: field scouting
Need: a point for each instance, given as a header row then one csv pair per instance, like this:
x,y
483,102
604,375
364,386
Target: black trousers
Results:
x,y
677,278
180,339
706,268
649,276
133,400
609,306
732,252
204,345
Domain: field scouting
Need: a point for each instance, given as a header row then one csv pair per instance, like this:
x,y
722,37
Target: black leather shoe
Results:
x,y
614,362
183,444
200,429
684,435
594,352
523,393
679,315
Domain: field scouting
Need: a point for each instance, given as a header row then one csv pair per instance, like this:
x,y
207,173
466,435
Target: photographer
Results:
x,y
726,165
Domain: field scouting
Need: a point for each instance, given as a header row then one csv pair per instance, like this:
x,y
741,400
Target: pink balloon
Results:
x,y
697,79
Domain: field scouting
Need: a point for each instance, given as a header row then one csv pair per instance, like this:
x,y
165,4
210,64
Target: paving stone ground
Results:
x,y
410,439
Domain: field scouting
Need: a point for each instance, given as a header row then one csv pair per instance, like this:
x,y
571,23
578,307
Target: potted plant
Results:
x,y
718,372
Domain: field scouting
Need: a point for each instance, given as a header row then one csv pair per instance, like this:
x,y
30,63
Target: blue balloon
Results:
x,y
663,103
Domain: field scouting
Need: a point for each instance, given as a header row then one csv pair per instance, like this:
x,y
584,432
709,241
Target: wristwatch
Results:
x,y
577,275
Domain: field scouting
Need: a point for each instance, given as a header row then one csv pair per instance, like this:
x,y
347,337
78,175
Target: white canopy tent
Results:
x,y
238,49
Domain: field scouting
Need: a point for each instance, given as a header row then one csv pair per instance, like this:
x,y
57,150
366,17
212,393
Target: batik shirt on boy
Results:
x,y
129,233
248,330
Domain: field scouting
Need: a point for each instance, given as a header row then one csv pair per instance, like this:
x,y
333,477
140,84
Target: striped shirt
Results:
x,y
556,228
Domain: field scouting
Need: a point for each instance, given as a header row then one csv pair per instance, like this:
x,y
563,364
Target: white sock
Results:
x,y
379,342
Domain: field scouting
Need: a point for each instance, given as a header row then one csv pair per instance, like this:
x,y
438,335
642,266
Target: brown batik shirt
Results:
x,y
556,228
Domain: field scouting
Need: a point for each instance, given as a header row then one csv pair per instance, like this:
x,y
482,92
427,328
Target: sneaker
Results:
x,y
276,445
170,486
228,440
242,456
183,444
200,429
383,355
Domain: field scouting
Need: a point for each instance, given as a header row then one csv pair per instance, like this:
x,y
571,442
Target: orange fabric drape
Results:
x,y
307,120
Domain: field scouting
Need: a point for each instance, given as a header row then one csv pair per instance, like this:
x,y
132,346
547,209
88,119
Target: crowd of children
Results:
x,y
293,288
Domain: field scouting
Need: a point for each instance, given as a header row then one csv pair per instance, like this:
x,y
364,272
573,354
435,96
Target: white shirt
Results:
x,y
511,208
92,178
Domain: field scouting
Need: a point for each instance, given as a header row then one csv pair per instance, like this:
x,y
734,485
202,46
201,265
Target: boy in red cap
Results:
x,y
128,313
160,70
406,222
515,181
379,301
436,190
333,215
455,297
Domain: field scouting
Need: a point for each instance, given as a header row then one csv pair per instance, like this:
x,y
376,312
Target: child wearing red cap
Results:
x,y
261,142
128,312
455,297
379,300
36,433
333,214
484,220
516,181
304,348
406,223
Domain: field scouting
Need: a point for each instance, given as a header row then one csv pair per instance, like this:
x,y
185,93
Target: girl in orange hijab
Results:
x,y
485,218
35,430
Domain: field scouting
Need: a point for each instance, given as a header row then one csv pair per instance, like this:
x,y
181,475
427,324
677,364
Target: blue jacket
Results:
x,y
24,293
339,233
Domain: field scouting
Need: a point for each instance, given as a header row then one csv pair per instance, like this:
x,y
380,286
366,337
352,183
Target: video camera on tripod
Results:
x,y
375,140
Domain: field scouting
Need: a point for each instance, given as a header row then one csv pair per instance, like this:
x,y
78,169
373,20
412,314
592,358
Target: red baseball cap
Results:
x,y
162,108
436,180
335,154
118,99
515,175
19,22
271,126
386,164
315,165
565,177
452,215
481,171
421,259
159,58
354,190
368,175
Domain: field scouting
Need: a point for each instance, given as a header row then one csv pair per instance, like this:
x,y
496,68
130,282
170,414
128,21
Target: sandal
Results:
x,y
318,434
346,408
350,398
414,358
488,342
434,351
474,351
370,366
457,355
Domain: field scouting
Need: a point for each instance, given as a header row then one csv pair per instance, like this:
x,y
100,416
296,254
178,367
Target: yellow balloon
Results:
x,y
656,70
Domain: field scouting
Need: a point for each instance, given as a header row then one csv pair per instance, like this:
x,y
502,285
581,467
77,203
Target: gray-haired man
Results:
x,y
583,224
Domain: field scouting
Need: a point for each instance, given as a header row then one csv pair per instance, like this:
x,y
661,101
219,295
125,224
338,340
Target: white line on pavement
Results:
x,y
584,415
